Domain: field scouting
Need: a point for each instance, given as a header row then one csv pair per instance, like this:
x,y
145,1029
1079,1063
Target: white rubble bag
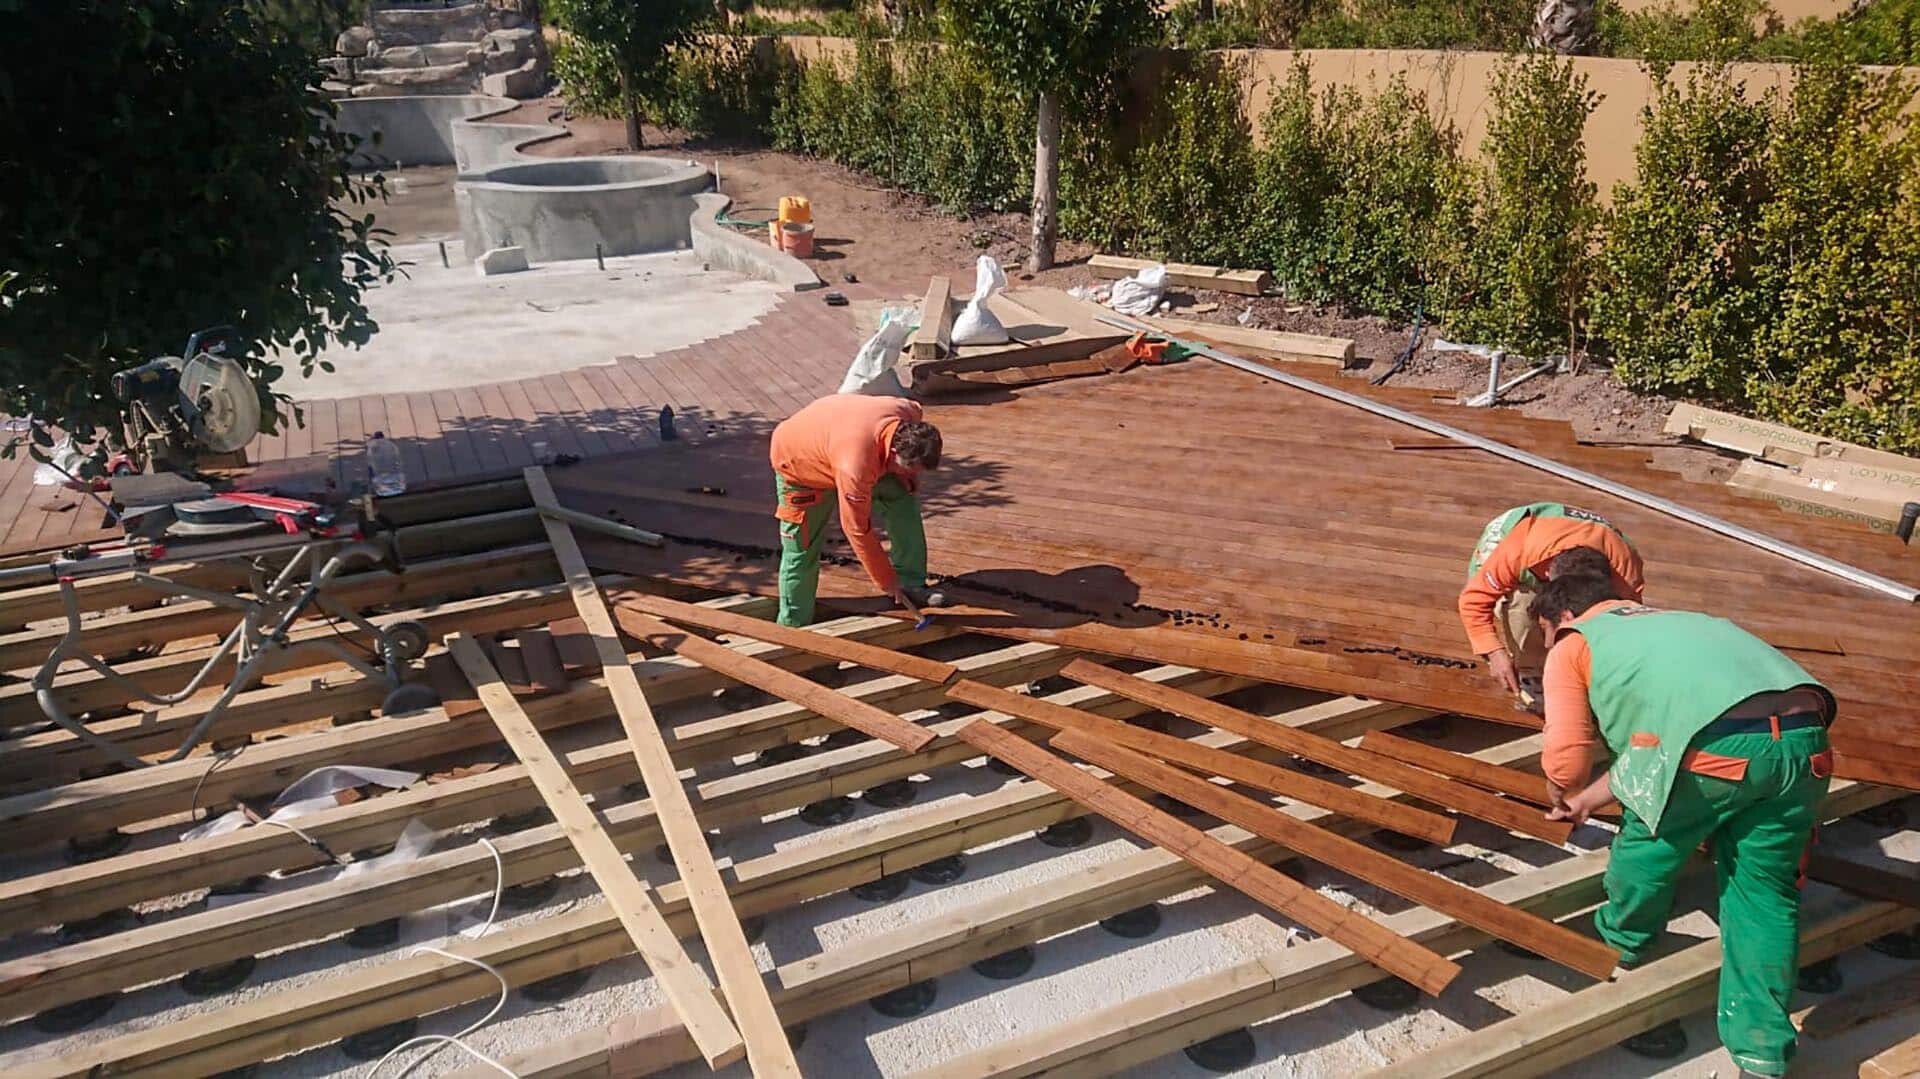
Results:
x,y
976,325
1140,294
872,372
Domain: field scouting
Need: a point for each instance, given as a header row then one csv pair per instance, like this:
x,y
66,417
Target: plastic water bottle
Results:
x,y
383,463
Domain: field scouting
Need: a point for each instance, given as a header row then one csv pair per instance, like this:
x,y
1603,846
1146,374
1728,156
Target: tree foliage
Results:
x,y
170,165
632,38
1066,47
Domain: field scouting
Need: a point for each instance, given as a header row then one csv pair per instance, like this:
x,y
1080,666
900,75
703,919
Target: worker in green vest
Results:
x,y
1716,738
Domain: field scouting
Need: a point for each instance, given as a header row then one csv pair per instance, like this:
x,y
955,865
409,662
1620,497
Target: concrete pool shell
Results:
x,y
558,208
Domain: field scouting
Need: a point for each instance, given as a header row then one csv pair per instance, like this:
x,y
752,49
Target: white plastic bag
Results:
x,y
975,324
872,370
1139,294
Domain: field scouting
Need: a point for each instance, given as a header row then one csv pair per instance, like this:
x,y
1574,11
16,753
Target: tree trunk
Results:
x,y
1204,10
1046,183
631,106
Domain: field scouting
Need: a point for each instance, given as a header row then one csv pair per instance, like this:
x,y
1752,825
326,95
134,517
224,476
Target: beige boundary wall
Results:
x,y
1456,84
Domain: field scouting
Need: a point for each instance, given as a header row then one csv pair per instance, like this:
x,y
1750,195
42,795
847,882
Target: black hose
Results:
x,y
1413,343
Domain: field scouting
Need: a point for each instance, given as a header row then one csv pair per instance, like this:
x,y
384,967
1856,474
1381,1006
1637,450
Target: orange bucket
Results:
x,y
797,239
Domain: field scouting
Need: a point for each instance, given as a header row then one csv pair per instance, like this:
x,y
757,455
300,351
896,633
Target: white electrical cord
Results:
x,y
441,1041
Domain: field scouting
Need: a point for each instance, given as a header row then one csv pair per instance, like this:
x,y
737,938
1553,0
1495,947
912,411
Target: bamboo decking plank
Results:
x,y
1305,789
1529,788
760,629
1556,942
1386,949
1472,802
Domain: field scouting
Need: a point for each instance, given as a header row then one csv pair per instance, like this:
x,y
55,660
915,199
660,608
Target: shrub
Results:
x,y
1518,224
1719,30
1676,297
1419,24
1838,259
1347,192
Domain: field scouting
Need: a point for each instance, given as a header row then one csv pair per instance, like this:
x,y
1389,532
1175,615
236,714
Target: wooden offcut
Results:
x,y
1282,894
803,640
1556,942
1185,275
765,1041
930,338
1425,785
626,893
784,684
1407,820
1263,344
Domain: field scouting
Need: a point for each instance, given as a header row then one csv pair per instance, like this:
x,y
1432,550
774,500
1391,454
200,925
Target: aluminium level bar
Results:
x,y
1566,472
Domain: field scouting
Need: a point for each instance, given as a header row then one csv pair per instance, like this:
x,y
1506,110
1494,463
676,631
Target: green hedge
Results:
x,y
1765,257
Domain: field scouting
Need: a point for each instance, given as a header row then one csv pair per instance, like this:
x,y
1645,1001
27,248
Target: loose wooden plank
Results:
x,y
542,658
1282,894
760,629
1473,803
936,320
765,1042
1556,942
1508,781
630,897
506,660
1186,275
1288,784
1870,882
1272,344
457,698
1837,1015
783,684
1900,1062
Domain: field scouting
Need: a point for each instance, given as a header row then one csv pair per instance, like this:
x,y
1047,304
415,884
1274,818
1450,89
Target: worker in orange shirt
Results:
x,y
1518,552
1716,738
867,453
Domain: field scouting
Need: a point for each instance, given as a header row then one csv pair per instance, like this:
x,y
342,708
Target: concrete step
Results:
x,y
428,25
436,54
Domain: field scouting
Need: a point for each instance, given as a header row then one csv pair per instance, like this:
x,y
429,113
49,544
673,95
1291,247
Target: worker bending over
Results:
x,y
1716,738
871,450
1518,551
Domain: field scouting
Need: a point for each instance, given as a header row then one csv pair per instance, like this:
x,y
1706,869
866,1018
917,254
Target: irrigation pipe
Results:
x,y
1554,468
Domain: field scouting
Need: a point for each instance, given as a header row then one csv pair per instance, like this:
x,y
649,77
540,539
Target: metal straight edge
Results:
x,y
1709,522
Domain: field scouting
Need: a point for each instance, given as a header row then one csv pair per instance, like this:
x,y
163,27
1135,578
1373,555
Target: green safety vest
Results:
x,y
1498,529
1659,678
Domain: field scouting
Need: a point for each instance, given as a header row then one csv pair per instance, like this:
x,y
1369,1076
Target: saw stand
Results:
x,y
261,643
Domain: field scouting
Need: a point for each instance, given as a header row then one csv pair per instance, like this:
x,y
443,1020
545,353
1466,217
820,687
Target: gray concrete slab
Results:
x,y
445,327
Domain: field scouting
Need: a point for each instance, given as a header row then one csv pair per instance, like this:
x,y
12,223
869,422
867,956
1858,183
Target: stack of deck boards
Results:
x,y
1047,327
1806,473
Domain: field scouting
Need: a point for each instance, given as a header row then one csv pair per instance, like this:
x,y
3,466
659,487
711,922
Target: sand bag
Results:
x,y
1140,294
976,325
872,370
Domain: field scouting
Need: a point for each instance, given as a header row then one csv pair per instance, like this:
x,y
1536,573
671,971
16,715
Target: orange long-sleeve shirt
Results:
x,y
1532,545
1569,734
844,443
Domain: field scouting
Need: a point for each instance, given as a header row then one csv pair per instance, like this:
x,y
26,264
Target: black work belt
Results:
x,y
1763,724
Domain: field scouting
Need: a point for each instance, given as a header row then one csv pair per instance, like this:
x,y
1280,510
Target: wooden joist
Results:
x,y
1900,1062
760,629
1185,275
1408,820
1835,1016
786,685
1556,942
1425,785
1866,881
82,891
1282,894
766,1043
1548,1037
630,897
1140,1030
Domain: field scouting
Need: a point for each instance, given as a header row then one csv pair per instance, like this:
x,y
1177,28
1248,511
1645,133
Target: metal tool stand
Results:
x,y
259,645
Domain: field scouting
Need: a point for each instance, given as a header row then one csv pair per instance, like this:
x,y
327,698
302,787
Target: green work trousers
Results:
x,y
896,510
1759,828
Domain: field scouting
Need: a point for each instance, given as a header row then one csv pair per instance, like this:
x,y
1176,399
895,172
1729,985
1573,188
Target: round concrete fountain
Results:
x,y
561,208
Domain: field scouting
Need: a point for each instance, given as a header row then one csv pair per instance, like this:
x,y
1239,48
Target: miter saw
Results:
x,y
292,549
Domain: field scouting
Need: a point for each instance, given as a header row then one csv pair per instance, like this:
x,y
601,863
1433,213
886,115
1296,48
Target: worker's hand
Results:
x,y
1568,811
1503,671
900,597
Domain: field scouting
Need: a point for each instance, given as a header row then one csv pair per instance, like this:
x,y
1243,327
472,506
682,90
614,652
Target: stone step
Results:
x,y
438,53
462,76
427,25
